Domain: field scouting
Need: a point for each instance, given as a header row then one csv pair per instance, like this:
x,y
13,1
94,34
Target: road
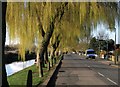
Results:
x,y
75,70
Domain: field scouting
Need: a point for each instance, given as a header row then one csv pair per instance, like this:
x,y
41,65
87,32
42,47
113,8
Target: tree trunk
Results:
x,y
52,57
37,59
40,68
56,56
47,60
46,39
43,61
44,45
41,56
55,46
55,59
4,74
39,64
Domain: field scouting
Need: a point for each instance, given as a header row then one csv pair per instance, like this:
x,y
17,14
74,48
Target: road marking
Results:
x,y
88,66
112,81
101,74
108,78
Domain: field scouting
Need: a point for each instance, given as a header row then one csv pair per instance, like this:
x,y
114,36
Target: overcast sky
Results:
x,y
102,29
111,34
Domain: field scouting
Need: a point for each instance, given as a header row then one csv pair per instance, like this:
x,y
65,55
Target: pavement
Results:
x,y
75,70
108,62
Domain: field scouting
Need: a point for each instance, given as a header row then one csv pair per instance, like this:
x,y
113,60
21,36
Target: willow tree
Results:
x,y
70,26
97,12
27,20
54,43
32,28
55,17
26,30
22,26
50,18
41,32
81,18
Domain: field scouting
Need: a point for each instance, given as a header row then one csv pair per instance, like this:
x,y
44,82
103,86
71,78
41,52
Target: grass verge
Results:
x,y
20,78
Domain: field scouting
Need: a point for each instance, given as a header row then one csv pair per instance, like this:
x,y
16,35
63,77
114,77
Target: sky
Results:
x,y
101,28
8,39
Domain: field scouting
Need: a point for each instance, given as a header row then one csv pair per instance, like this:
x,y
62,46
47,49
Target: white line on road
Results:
x,y
112,81
108,78
101,74
88,66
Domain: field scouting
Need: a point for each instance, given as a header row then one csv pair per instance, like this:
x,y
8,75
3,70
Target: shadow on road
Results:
x,y
53,78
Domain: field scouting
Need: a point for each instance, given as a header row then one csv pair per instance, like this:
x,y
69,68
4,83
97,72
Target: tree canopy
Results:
x,y
74,20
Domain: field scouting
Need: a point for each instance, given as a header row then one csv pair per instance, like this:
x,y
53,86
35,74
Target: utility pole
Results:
x,y
107,50
115,46
118,10
107,39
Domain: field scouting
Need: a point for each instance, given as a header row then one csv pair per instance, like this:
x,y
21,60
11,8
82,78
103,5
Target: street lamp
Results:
x,y
107,50
115,46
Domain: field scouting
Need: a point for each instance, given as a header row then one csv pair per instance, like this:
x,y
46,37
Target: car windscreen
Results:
x,y
90,52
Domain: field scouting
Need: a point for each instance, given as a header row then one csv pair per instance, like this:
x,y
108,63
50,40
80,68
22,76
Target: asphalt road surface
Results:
x,y
75,70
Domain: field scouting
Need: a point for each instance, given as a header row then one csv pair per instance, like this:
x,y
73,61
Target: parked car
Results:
x,y
90,53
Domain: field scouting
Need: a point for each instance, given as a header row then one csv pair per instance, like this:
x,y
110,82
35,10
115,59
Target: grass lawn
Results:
x,y
20,78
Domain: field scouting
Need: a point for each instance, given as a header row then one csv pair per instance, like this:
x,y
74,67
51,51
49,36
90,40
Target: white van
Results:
x,y
90,53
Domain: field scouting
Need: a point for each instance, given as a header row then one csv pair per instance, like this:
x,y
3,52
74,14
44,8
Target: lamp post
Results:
x,y
107,50
115,46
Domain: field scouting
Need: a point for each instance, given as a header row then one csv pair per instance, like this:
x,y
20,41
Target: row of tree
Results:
x,y
100,44
53,26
